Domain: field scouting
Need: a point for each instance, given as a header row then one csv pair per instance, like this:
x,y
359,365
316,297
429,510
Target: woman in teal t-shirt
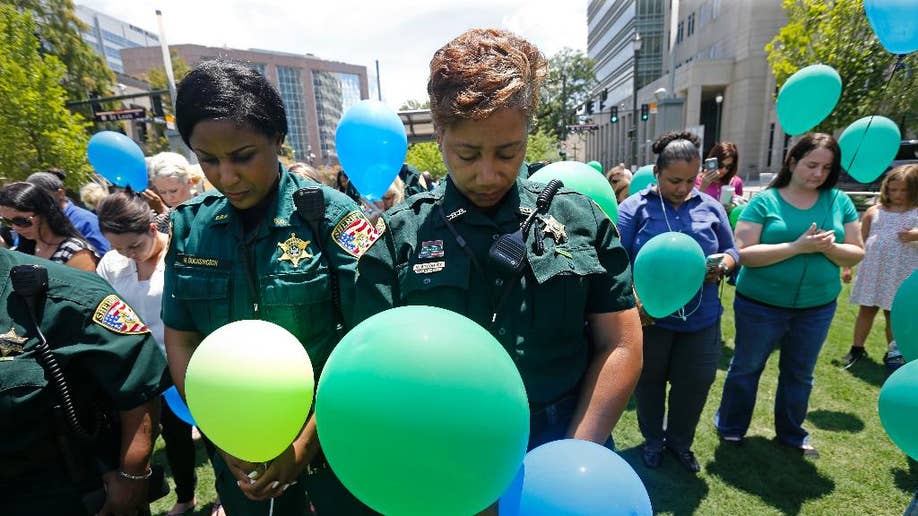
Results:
x,y
792,237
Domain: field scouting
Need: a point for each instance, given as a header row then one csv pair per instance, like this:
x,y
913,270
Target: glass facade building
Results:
x,y
290,88
107,36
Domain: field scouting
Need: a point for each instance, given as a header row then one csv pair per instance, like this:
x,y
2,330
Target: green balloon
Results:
x,y
898,406
596,165
735,214
904,317
807,98
642,179
668,272
868,146
420,410
583,179
250,401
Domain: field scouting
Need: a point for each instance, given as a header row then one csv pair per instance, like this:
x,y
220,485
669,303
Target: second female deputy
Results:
x,y
566,317
264,244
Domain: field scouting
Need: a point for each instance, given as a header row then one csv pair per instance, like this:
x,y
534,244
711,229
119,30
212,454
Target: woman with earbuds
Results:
x,y
681,349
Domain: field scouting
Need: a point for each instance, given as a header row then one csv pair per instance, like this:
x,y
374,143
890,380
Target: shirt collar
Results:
x,y
280,211
457,207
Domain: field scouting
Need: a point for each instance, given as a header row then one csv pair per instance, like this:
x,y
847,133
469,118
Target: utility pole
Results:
x,y
636,44
378,83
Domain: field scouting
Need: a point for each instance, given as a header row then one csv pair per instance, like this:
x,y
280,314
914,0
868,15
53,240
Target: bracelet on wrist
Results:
x,y
128,476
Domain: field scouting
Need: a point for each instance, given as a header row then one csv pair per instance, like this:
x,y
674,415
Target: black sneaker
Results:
x,y
687,459
854,354
652,458
893,360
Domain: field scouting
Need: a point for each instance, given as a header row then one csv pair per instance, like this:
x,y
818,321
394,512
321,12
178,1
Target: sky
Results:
x,y
401,34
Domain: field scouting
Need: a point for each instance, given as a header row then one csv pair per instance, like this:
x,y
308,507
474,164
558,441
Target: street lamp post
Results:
x,y
719,99
636,45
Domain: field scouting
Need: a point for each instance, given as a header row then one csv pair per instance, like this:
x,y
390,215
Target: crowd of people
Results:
x,y
229,239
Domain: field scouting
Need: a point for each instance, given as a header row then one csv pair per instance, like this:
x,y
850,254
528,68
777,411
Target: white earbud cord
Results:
x,y
680,313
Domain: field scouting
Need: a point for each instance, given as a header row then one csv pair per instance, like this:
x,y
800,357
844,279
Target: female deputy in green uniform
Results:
x,y
567,316
264,244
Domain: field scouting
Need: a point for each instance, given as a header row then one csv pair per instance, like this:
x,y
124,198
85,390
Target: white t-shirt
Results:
x,y
145,297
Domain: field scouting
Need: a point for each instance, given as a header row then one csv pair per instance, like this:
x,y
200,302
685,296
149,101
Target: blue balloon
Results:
x,y
571,477
178,406
895,22
119,159
371,145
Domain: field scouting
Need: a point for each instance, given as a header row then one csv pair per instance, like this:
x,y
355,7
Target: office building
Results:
x,y
109,35
722,81
315,92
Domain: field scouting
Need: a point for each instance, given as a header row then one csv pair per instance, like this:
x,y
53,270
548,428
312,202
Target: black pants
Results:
x,y
179,453
688,362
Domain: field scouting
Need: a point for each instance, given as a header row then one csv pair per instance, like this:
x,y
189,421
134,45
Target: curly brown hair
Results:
x,y
482,71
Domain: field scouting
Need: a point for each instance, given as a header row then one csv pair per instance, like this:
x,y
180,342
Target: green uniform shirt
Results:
x,y
411,176
582,270
283,276
805,280
106,353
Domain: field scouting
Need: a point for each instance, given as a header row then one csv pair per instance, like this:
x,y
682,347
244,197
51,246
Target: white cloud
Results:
x,y
401,34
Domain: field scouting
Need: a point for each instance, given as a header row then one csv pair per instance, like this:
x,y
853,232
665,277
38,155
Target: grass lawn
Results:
x,y
859,472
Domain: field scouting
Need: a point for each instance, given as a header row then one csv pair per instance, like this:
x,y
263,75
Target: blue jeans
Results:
x,y
800,333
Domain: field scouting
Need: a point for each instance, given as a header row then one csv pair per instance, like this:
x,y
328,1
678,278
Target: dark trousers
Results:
x,y
179,453
687,361
551,422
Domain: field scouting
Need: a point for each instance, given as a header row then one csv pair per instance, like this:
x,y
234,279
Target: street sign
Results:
x,y
123,114
653,107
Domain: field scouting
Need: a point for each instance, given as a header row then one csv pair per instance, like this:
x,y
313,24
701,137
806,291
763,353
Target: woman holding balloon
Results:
x,y
682,348
264,244
793,237
448,248
134,268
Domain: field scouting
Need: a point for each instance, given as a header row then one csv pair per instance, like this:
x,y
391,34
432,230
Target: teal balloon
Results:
x,y
421,411
895,22
668,272
642,179
581,178
898,406
904,317
596,165
868,146
735,214
807,98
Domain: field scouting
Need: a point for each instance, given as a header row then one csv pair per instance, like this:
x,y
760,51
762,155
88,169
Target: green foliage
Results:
x,y
837,33
542,146
426,156
59,31
156,78
36,129
568,85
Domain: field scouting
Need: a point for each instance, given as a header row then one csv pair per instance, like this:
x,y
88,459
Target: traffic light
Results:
x,y
602,99
156,101
588,106
645,112
614,117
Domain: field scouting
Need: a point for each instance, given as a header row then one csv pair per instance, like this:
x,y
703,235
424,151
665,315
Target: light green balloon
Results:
x,y
583,179
596,166
898,406
249,386
642,178
421,411
875,140
904,317
668,272
807,98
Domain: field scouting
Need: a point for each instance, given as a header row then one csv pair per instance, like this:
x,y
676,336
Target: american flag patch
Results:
x,y
117,316
355,234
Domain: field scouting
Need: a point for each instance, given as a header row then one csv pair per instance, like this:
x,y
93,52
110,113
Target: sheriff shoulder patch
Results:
x,y
115,315
355,234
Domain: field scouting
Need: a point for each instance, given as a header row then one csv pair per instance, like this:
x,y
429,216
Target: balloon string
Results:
x,y
899,64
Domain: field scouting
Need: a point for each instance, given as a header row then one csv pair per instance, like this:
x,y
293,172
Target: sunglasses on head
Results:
x,y
23,222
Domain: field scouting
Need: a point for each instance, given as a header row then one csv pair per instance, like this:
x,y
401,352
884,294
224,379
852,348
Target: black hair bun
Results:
x,y
665,139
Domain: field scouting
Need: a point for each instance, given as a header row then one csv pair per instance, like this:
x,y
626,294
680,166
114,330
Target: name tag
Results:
x,y
203,262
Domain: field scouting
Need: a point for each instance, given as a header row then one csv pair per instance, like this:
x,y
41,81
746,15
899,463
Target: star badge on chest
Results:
x,y
11,344
553,228
294,250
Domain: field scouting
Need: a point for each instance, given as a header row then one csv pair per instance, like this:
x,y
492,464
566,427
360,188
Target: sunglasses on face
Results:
x,y
23,222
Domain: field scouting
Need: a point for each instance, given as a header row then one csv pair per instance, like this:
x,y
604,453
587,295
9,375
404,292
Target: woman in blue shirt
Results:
x,y
682,348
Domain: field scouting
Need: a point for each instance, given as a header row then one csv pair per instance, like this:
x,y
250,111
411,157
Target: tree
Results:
x,y
837,33
542,147
568,85
426,156
412,104
37,131
59,32
156,78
